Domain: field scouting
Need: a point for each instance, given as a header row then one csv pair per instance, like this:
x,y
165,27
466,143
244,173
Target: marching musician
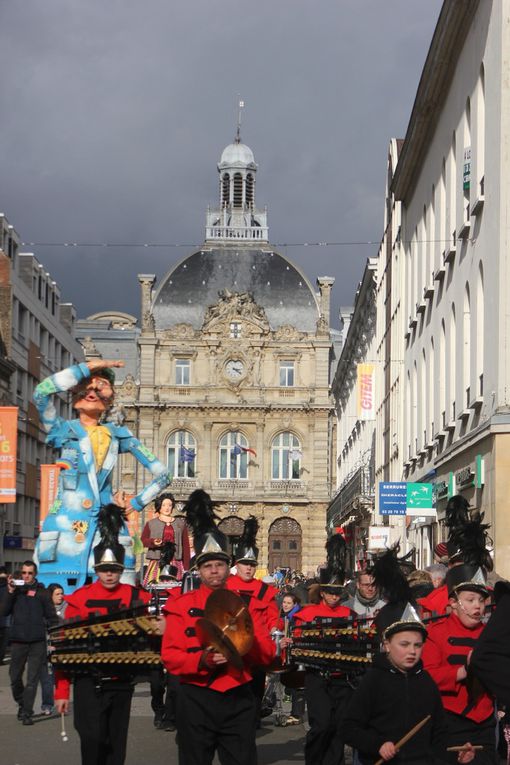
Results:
x,y
255,593
244,581
447,652
216,709
446,658
327,693
395,696
102,703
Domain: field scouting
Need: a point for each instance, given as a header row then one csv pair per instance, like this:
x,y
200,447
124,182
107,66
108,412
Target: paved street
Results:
x,y
42,743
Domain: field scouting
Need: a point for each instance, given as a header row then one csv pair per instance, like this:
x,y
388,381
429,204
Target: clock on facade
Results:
x,y
234,369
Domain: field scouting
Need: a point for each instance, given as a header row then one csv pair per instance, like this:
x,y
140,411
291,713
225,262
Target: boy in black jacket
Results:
x,y
395,695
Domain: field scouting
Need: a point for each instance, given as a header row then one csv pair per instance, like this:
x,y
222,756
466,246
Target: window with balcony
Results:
x,y
182,371
285,457
181,454
233,456
286,374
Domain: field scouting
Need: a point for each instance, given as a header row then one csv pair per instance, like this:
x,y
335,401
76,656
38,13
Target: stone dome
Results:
x,y
237,154
276,284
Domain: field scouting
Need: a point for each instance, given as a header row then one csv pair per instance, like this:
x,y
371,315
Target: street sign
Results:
x,y
392,498
419,499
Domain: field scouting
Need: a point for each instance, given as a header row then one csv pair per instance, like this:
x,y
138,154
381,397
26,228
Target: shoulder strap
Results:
x,y
264,588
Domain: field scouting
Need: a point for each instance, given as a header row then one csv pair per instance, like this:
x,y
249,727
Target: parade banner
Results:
x,y
49,487
366,391
8,447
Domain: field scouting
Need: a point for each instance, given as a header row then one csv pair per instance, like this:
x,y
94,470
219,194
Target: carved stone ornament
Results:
x,y
288,333
148,321
128,387
89,348
179,332
239,306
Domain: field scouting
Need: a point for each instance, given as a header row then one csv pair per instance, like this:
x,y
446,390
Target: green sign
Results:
x,y
419,499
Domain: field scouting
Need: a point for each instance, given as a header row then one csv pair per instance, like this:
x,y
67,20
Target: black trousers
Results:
x,y
3,643
164,689
462,729
209,722
32,656
326,701
101,718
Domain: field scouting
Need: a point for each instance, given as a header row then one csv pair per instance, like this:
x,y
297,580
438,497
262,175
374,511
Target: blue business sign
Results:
x,y
392,498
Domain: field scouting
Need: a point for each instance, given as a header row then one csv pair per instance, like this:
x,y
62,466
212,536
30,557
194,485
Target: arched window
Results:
x,y
225,191
466,177
233,455
452,363
432,391
285,457
424,400
249,189
452,184
238,190
466,346
480,133
182,454
480,309
442,375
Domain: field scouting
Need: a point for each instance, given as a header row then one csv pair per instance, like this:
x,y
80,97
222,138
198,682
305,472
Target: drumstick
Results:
x,y
463,748
63,731
408,736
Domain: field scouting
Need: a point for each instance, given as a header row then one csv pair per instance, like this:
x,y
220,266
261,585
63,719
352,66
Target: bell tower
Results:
x,y
237,216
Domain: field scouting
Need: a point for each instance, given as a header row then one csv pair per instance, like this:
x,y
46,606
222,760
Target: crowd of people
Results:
x,y
436,674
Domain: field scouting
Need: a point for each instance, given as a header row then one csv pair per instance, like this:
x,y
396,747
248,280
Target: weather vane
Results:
x,y
239,113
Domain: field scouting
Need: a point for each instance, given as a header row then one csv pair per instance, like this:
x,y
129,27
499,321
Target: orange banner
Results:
x,y
8,446
49,486
366,392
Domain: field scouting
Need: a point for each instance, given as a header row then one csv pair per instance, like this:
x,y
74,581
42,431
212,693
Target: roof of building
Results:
x,y
237,153
277,286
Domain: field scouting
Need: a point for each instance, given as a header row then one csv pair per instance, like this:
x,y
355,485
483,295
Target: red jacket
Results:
x,y
181,651
310,613
446,649
256,591
435,602
96,599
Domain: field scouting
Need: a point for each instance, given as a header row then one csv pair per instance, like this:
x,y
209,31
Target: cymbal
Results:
x,y
211,635
229,612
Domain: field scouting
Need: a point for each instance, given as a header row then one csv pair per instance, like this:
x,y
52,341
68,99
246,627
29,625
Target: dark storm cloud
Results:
x,y
114,115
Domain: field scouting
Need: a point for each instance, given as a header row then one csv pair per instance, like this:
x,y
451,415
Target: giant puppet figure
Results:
x,y
89,447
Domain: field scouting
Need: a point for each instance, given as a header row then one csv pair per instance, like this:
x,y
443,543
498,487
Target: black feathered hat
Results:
x,y
467,547
247,550
209,542
109,553
400,613
333,576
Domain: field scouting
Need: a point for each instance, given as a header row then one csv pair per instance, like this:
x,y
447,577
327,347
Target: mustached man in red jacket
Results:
x,y
102,704
216,710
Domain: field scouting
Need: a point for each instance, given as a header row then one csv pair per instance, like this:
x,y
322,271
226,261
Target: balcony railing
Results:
x,y
246,233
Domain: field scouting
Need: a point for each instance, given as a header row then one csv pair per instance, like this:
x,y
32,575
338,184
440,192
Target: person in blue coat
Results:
x,y
89,448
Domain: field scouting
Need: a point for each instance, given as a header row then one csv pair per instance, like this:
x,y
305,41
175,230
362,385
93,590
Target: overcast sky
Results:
x,y
114,114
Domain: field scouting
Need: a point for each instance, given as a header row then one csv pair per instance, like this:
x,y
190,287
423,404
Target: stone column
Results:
x,y
147,319
325,284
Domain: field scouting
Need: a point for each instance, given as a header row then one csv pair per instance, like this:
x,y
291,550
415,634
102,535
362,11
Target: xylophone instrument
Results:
x,y
126,642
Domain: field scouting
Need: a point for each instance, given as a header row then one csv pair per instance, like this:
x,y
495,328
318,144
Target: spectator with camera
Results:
x,y
32,611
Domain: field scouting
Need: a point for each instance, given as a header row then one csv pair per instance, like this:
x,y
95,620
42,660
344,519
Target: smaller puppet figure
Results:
x,y
166,540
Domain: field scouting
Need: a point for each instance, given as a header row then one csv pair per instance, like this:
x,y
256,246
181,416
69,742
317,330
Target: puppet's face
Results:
x,y
167,508
94,397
